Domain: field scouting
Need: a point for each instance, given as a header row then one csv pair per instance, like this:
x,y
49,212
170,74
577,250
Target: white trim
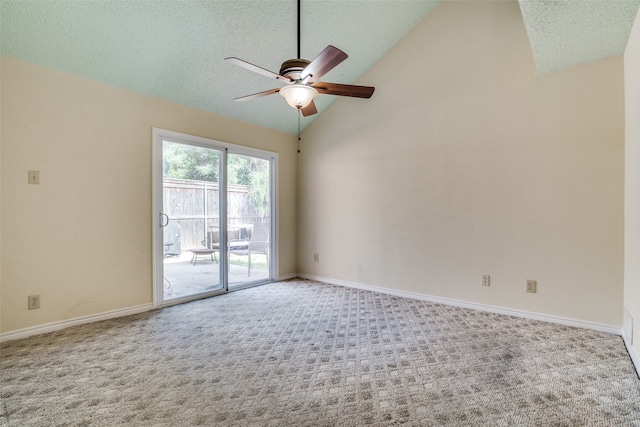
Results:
x,y
156,202
223,221
633,354
56,326
287,277
274,214
474,306
627,326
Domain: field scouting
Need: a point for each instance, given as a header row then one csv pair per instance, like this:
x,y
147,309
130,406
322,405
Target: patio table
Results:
x,y
203,251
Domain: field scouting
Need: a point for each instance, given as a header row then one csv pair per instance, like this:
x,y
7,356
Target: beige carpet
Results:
x,y
301,353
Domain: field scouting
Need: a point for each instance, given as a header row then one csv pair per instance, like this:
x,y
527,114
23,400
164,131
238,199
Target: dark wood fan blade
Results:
x,y
248,66
309,110
344,90
257,95
323,63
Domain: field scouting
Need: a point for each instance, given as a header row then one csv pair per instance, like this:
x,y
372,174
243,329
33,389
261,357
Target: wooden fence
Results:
x,y
193,211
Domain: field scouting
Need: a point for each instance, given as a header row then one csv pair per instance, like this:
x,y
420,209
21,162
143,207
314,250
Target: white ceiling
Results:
x,y
175,50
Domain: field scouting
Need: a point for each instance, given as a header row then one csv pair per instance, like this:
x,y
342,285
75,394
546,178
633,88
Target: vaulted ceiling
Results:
x,y
175,50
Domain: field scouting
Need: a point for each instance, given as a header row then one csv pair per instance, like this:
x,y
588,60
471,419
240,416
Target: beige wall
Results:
x,y
0,195
632,181
466,162
82,238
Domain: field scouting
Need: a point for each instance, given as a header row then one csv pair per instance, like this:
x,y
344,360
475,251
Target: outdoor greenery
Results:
x,y
258,261
184,161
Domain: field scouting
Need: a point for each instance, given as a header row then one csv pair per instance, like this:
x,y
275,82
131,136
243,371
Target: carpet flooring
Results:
x,y
303,353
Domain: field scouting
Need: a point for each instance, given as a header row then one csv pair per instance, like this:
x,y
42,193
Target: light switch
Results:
x,y
34,177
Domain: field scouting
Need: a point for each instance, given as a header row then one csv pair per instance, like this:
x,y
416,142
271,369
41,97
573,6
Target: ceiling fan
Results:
x,y
301,77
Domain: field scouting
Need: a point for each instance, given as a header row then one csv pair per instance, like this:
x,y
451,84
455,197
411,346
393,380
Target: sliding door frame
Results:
x,y
158,136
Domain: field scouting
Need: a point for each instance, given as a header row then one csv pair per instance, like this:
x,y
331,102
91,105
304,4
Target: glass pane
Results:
x,y
191,205
249,219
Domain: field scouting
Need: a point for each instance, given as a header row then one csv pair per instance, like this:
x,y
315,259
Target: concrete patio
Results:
x,y
183,278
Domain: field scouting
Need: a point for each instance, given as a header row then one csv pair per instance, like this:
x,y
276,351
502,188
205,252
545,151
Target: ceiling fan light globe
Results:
x,y
298,96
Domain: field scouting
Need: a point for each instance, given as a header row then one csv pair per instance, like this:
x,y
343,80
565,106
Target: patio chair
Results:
x,y
212,244
258,243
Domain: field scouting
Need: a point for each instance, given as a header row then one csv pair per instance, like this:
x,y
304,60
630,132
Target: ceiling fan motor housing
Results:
x,y
293,67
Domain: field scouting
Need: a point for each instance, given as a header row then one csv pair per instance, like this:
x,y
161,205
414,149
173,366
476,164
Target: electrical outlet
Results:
x,y
316,258
486,280
34,301
531,286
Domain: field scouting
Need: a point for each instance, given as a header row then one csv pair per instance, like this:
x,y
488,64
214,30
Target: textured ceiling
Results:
x,y
567,33
175,50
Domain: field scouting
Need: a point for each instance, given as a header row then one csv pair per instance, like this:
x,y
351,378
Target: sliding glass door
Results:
x,y
248,219
190,218
213,226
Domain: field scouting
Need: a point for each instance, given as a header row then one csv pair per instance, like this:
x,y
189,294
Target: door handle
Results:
x,y
165,217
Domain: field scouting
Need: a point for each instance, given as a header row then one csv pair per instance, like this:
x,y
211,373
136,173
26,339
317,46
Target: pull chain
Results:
x,y
299,112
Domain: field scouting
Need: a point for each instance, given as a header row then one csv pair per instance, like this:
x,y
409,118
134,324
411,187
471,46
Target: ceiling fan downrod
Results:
x,y
298,30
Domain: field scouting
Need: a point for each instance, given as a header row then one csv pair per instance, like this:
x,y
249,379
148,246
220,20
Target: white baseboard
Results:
x,y
481,307
635,358
56,326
